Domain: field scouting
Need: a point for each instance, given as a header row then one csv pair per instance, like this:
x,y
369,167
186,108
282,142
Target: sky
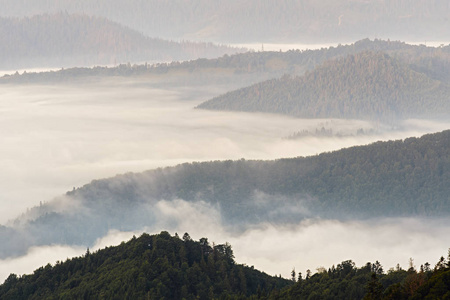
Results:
x,y
56,137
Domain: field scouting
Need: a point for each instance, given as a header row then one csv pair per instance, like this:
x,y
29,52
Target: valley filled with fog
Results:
x,y
208,149
59,137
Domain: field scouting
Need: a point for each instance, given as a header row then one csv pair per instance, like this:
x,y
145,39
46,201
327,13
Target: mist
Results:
x,y
273,248
55,138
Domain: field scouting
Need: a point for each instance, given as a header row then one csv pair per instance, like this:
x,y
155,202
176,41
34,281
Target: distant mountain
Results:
x,y
261,21
385,179
149,267
62,39
367,85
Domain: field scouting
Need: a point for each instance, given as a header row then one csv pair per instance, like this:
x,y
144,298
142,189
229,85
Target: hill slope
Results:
x,y
386,179
68,40
366,85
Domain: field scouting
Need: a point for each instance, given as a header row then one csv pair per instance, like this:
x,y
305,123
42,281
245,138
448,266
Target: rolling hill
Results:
x,y
367,85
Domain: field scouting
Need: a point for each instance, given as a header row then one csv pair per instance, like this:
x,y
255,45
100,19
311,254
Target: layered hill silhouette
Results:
x,y
367,85
62,39
244,69
404,178
169,267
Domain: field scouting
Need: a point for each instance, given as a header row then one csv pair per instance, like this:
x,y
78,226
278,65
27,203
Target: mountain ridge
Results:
x,y
260,21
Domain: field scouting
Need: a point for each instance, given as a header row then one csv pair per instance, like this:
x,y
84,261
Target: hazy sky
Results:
x,y
58,137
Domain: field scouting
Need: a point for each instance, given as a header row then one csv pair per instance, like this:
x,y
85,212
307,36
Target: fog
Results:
x,y
55,138
276,249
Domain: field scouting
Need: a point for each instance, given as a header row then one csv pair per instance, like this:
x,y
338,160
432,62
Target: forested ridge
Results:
x,y
404,178
367,85
394,178
260,21
165,267
434,62
62,39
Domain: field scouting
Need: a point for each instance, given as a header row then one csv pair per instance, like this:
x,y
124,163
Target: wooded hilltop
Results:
x,y
169,267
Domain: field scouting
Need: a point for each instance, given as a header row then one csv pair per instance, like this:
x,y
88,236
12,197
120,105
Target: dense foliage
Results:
x,y
69,40
370,282
149,267
244,21
367,85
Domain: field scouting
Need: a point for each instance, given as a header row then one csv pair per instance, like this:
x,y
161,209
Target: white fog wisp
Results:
x,y
275,249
